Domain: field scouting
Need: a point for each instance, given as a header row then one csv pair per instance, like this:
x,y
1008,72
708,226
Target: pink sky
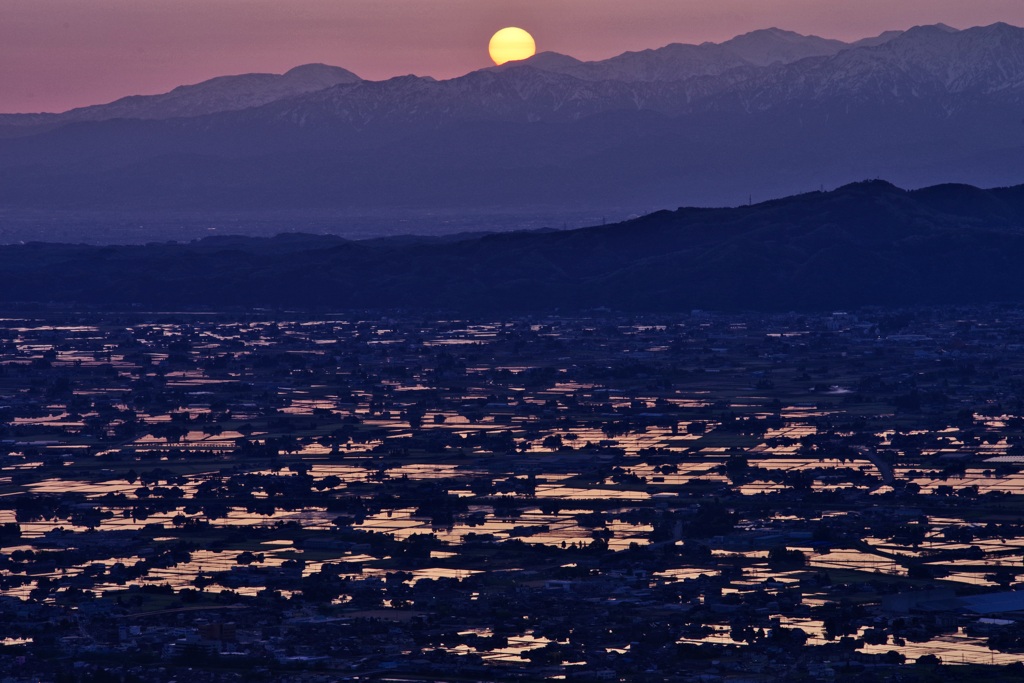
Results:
x,y
58,54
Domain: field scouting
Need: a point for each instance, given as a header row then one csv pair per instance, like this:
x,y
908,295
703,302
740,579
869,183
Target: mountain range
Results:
x,y
867,243
763,115
226,93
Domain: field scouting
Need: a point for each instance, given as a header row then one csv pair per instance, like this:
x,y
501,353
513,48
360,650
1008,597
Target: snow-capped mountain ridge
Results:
x,y
697,124
680,61
771,62
928,64
925,62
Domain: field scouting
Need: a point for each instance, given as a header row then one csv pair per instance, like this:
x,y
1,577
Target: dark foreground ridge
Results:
x,y
868,243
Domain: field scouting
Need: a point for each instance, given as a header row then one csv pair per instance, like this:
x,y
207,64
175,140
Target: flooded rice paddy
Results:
x,y
797,482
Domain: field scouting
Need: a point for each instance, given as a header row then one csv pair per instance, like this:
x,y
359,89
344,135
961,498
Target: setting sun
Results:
x,y
511,44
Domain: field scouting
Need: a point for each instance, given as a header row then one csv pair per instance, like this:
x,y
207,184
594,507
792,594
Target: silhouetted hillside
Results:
x,y
866,243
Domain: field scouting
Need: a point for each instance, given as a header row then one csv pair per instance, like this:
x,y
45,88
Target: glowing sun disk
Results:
x,y
511,44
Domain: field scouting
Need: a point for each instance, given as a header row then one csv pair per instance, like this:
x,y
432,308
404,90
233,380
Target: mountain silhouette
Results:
x,y
767,114
868,243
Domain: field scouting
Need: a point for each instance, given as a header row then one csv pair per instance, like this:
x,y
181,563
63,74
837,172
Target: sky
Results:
x,y
59,54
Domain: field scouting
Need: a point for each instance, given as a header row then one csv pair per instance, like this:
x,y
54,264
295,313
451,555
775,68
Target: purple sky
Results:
x,y
58,54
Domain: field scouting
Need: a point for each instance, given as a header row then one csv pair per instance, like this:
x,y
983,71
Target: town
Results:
x,y
238,495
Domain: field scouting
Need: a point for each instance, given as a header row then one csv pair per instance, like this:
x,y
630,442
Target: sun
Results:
x,y
510,44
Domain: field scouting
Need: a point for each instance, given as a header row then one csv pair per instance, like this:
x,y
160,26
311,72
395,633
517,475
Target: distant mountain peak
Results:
x,y
880,39
772,32
933,29
772,45
1000,28
322,71
409,79
547,59
551,62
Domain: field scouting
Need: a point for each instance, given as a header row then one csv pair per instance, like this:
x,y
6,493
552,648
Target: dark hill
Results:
x,y
865,243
